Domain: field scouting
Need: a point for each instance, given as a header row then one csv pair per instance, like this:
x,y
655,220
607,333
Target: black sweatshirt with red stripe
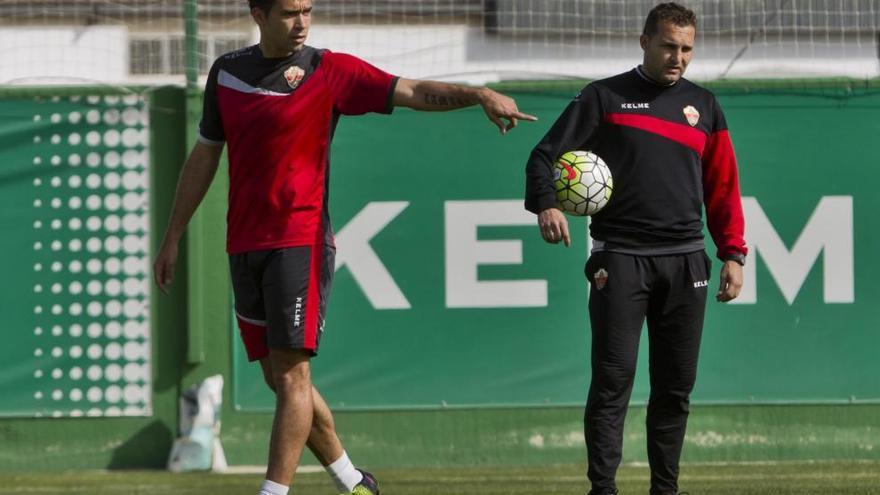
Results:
x,y
669,153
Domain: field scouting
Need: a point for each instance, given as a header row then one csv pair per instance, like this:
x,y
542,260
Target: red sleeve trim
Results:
x,y
722,197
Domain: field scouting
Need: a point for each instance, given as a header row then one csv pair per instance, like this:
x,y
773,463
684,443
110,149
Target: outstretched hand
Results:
x,y
499,108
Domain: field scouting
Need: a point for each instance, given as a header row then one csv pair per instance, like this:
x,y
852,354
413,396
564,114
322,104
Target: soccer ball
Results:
x,y
583,183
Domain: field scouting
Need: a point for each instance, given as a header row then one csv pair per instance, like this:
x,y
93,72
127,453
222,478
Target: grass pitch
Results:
x,y
819,478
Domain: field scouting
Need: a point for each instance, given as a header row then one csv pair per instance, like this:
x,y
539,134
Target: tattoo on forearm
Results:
x,y
441,100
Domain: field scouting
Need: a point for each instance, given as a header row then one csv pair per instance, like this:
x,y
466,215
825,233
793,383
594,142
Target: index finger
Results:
x,y
524,116
565,236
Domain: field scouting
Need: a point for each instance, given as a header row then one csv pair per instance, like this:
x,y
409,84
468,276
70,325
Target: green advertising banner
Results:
x,y
445,296
74,300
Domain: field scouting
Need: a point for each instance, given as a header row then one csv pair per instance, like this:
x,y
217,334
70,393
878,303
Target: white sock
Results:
x,y
344,475
271,488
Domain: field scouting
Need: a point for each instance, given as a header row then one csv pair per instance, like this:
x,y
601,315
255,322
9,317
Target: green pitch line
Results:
x,y
838,478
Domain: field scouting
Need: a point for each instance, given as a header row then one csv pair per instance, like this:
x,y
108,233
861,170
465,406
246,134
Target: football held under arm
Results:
x,y
575,129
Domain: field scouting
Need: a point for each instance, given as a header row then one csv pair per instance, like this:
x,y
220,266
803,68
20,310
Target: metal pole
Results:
x,y
192,43
196,233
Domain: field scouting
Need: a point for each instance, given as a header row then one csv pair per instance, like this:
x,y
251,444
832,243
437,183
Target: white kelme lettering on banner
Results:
x,y
464,254
355,252
829,231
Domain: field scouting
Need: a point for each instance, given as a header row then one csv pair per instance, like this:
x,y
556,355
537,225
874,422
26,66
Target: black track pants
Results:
x,y
670,291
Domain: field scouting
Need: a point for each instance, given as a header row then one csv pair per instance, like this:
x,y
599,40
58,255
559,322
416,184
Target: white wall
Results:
x,y
61,55
99,54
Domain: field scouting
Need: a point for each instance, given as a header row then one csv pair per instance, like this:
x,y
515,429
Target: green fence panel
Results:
x,y
806,331
73,182
446,297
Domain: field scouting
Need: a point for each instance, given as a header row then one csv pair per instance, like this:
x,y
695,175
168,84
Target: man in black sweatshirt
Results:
x,y
665,140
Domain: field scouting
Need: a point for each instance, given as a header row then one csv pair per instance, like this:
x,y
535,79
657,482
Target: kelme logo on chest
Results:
x,y
691,114
293,75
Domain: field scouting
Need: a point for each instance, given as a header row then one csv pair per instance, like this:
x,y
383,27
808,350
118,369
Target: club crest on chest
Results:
x,y
293,75
691,114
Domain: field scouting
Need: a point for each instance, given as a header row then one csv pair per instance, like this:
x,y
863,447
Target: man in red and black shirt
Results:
x,y
666,142
276,105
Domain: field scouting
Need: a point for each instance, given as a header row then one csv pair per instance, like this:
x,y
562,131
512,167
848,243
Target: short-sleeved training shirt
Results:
x,y
277,117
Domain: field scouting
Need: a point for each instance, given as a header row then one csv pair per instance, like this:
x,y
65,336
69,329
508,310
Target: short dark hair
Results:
x,y
670,12
264,5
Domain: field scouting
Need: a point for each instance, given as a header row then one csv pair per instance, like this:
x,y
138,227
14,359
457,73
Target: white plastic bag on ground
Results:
x,y
198,448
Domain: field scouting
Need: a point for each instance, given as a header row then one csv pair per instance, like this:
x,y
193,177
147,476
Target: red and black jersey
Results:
x,y
669,153
277,116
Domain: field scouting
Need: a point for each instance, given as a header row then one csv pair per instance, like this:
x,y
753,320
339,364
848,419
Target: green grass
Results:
x,y
825,478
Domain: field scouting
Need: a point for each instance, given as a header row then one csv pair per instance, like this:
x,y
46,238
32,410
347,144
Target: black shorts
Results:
x,y
281,297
